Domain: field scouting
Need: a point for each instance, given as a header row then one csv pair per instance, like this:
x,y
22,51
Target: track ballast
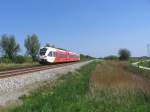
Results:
x,y
21,71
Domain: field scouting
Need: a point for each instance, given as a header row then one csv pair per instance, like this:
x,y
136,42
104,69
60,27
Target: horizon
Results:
x,y
97,28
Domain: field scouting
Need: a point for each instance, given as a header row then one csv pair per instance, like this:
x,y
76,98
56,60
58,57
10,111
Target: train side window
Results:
x,y
50,54
57,54
54,54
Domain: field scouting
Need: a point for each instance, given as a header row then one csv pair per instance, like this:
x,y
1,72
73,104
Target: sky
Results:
x,y
94,27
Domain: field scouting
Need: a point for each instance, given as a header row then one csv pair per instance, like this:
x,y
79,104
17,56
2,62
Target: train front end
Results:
x,y
46,55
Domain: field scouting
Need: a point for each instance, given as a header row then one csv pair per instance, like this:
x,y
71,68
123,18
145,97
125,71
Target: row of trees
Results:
x,y
10,48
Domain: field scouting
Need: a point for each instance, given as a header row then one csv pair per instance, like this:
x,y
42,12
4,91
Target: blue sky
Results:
x,y
94,27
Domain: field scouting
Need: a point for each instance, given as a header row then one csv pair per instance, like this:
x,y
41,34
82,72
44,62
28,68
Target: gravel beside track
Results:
x,y
20,71
11,88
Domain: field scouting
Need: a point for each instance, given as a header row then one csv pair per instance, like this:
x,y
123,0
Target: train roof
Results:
x,y
52,48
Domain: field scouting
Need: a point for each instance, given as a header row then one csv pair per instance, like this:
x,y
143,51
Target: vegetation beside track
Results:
x,y
11,66
98,87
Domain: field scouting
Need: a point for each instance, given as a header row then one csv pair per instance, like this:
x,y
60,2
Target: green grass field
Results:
x,y
97,87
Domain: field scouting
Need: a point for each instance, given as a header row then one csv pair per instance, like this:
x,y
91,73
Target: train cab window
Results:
x,y
43,51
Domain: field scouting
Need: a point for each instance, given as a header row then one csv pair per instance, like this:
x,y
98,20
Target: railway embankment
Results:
x,y
12,88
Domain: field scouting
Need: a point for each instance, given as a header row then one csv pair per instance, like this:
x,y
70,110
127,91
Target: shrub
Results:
x,y
5,60
28,59
124,54
85,57
19,59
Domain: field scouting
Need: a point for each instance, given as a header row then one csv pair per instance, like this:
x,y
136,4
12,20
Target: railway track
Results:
x,y
21,71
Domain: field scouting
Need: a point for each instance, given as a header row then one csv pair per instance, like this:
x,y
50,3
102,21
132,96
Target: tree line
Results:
x,y
10,48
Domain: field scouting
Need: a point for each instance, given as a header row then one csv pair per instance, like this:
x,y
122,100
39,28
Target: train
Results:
x,y
56,55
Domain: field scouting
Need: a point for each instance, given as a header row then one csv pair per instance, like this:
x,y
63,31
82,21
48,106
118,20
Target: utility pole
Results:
x,y
148,50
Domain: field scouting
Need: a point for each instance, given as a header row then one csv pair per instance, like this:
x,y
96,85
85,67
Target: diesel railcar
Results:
x,y
55,55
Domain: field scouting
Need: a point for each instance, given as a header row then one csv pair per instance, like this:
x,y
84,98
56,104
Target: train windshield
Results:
x,y
43,51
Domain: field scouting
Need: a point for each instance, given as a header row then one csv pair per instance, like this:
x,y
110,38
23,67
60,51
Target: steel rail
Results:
x,y
16,72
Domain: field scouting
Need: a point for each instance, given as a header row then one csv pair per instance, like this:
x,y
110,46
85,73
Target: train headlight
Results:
x,y
45,56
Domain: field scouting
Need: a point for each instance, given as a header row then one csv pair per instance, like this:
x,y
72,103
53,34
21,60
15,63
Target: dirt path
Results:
x,y
139,66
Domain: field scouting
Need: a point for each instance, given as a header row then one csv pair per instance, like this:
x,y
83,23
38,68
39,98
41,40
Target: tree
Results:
x,y
9,46
49,45
32,46
124,54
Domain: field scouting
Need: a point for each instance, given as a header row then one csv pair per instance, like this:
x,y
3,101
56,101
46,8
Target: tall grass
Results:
x,y
115,89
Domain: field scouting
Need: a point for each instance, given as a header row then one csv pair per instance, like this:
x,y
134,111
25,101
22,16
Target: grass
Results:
x,y
98,87
4,67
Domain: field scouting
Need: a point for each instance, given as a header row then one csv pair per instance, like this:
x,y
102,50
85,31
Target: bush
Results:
x,y
85,57
148,64
28,59
124,54
5,60
19,59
